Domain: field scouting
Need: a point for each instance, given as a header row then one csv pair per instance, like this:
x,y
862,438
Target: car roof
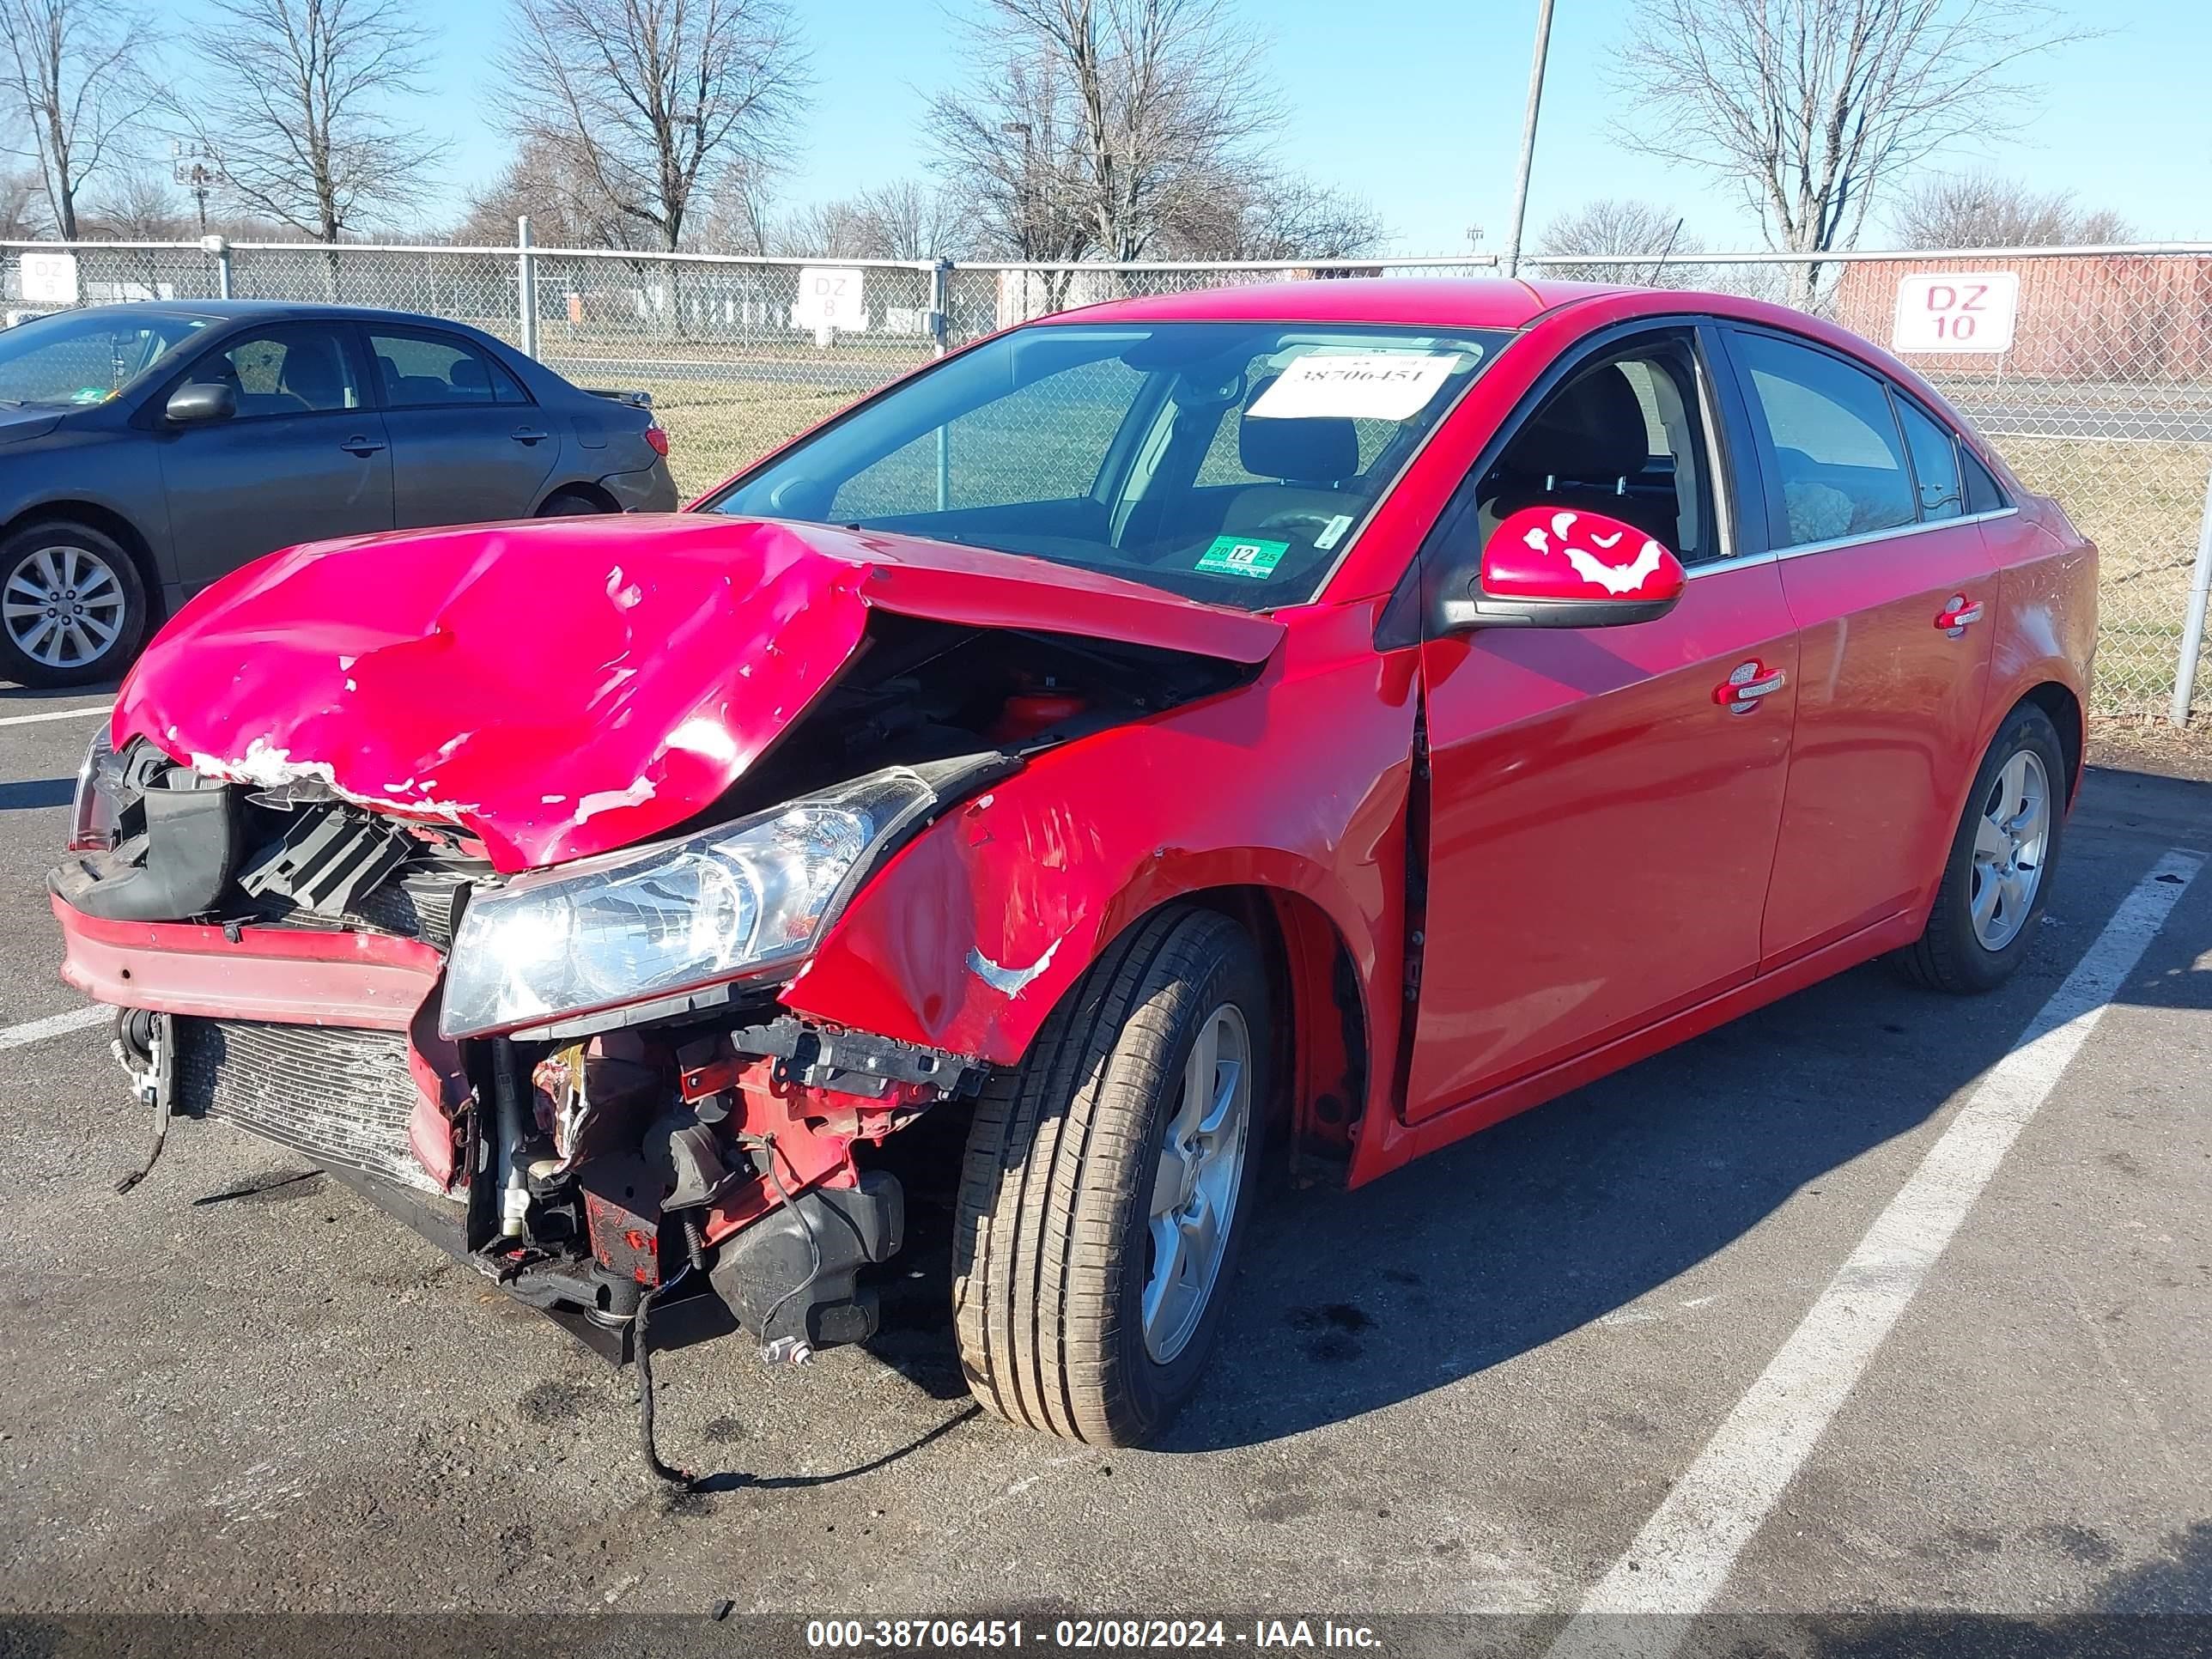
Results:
x,y
1418,301
231,311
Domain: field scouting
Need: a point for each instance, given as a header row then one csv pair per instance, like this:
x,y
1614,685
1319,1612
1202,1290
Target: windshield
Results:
x,y
1227,462
86,357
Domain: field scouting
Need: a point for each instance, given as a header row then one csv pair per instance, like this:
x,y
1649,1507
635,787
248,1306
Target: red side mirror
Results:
x,y
1557,567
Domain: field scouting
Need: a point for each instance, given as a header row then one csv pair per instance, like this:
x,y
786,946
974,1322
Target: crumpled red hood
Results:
x,y
567,687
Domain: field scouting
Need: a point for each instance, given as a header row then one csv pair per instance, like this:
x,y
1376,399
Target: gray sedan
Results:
x,y
146,449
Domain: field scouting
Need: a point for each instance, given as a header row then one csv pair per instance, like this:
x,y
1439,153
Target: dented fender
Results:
x,y
1295,783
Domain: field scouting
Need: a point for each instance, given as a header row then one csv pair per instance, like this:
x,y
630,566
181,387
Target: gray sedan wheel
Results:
x,y
72,607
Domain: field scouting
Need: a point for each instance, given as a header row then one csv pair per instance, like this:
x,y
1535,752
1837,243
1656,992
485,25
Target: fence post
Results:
x,y
221,249
2192,627
526,285
940,303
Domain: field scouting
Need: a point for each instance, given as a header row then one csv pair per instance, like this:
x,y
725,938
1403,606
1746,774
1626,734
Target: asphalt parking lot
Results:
x,y
1469,1389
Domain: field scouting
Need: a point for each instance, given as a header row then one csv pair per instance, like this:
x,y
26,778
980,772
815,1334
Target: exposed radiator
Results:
x,y
339,1096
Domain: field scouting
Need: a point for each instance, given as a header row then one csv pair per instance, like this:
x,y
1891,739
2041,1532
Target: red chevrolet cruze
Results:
x,y
1314,721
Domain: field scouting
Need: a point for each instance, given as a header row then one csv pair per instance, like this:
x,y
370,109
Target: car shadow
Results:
x,y
1350,1302
11,692
28,794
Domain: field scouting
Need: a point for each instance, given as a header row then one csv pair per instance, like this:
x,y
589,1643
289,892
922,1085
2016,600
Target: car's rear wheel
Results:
x,y
569,504
1108,1184
72,606
1998,873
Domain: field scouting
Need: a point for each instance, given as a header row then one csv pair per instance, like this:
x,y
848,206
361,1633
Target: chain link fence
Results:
x,y
2099,390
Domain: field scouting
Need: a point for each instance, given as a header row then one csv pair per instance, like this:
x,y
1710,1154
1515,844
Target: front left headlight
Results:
x,y
674,916
95,811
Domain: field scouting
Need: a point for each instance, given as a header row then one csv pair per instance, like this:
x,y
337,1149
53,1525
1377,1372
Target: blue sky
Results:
x,y
1417,104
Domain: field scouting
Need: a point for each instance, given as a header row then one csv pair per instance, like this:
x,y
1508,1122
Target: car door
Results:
x,y
1893,591
305,458
468,444
1602,802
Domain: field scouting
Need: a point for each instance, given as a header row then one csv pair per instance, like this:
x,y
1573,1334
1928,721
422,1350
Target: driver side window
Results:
x,y
1624,435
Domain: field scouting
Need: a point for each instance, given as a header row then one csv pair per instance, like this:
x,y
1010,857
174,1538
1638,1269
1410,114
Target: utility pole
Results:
x,y
1528,137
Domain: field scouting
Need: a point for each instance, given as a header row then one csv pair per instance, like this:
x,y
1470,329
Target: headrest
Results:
x,y
1593,431
470,375
311,374
1314,449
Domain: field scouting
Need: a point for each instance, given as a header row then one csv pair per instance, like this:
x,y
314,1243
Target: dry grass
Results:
x,y
715,428
2141,503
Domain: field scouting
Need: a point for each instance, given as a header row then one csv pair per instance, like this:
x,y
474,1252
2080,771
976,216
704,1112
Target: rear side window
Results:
x,y
1838,459
1934,463
1983,494
431,371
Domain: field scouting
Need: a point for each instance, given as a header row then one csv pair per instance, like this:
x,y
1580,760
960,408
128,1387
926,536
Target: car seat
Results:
x,y
312,376
1309,456
1581,450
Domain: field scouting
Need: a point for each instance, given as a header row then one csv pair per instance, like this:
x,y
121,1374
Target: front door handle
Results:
x,y
361,446
1955,617
526,435
1746,683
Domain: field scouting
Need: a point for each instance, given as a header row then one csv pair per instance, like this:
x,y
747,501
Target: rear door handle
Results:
x,y
526,435
361,446
1954,618
1746,683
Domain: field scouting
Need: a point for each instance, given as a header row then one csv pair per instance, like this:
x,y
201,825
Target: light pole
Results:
x,y
1025,210
1528,137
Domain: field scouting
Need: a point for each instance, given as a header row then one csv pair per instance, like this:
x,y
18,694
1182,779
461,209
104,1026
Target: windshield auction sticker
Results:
x,y
1242,555
1369,385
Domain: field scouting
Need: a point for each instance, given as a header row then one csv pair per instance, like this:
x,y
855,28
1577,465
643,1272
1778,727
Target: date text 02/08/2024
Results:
x,y
1082,1635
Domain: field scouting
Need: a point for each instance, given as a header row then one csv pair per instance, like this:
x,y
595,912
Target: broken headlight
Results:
x,y
674,916
94,813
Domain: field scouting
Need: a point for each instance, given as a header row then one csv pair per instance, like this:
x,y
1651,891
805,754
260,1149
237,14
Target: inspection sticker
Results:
x,y
1242,555
1371,386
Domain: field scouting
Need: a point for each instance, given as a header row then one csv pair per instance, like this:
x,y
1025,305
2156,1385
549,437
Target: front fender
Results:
x,y
1297,782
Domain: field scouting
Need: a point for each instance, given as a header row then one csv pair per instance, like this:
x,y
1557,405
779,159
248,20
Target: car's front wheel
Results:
x,y
1998,873
1108,1181
72,607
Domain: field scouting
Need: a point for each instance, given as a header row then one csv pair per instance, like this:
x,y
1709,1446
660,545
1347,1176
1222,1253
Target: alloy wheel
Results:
x,y
1195,1186
2009,843
63,606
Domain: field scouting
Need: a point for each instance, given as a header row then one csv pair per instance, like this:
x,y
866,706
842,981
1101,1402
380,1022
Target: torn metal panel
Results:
x,y
968,937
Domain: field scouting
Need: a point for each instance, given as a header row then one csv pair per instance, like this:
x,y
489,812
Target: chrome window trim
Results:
x,y
1920,527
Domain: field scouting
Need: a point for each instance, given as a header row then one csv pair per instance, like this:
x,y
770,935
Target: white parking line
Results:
x,y
53,714
38,1030
1678,1562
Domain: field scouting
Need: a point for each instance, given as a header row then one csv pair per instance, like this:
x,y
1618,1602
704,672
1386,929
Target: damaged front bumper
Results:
x,y
720,1154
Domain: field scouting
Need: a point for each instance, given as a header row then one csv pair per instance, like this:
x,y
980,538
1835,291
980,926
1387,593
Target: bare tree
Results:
x,y
69,74
740,209
143,207
1089,122
1809,107
20,194
304,88
1981,210
1012,147
654,99
547,181
908,219
1615,226
1255,213
903,220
